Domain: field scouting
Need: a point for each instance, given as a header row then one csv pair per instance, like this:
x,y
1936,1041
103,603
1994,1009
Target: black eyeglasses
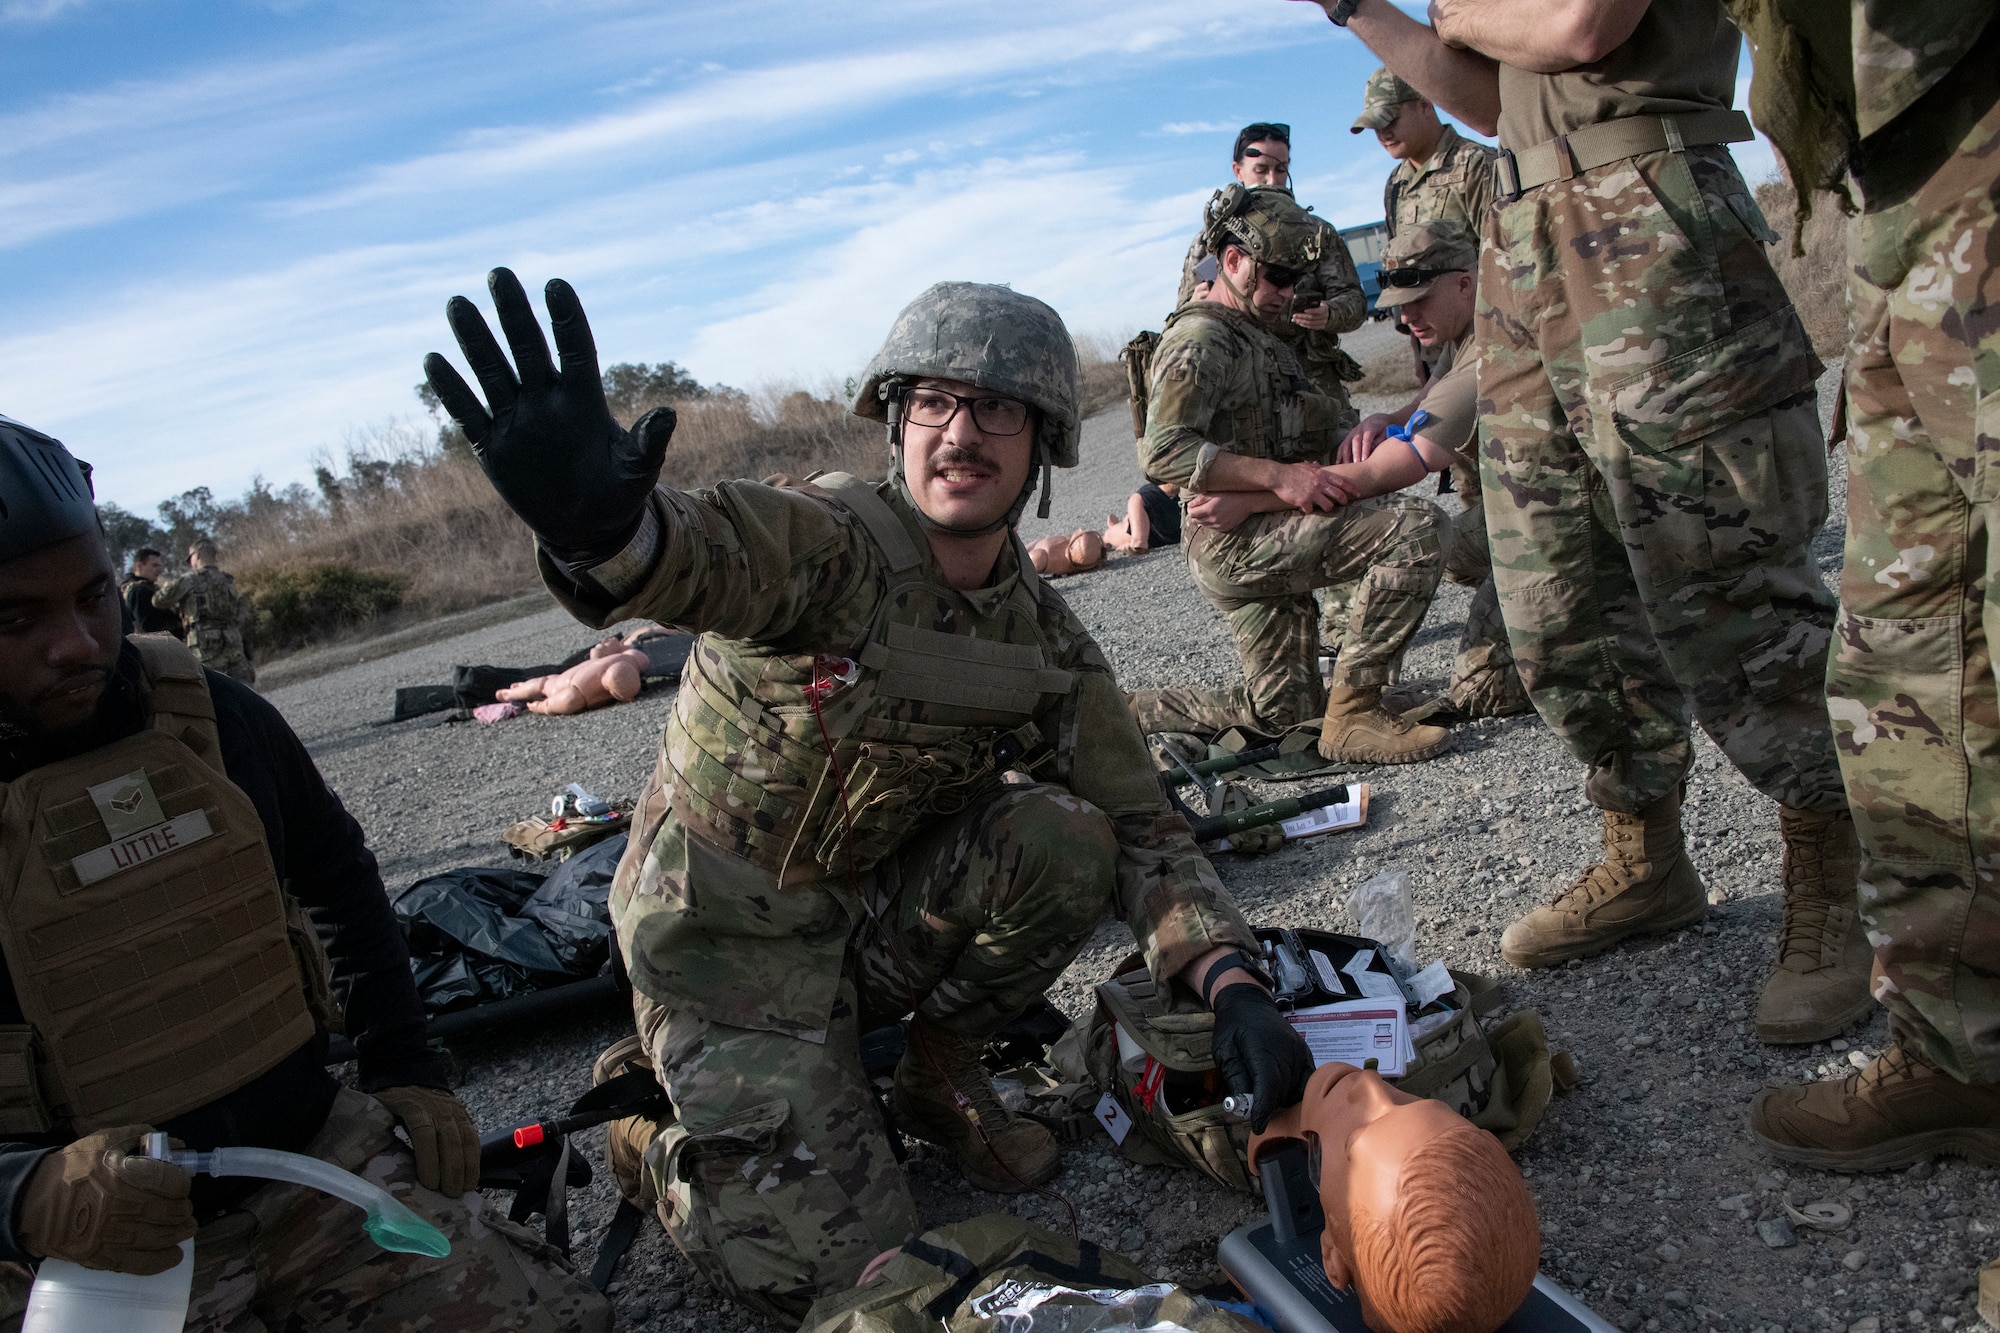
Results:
x,y
992,414
1414,277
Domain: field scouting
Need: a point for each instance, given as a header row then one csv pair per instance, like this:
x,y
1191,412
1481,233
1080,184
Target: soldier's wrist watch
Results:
x,y
1343,10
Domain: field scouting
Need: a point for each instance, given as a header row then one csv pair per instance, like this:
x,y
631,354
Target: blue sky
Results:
x,y
228,229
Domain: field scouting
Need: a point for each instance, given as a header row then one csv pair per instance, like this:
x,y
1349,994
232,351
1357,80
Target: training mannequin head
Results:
x,y
1263,155
1426,1218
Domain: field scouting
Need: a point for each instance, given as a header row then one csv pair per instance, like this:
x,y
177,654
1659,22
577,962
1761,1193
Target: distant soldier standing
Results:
x,y
1328,300
1439,172
140,589
1902,103
214,613
1652,461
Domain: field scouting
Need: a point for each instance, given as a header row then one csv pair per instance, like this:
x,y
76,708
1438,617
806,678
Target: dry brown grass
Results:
x,y
405,508
1817,279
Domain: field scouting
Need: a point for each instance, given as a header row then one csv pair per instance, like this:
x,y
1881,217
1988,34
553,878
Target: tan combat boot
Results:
x,y
1897,1110
1643,885
1820,983
1358,730
944,1095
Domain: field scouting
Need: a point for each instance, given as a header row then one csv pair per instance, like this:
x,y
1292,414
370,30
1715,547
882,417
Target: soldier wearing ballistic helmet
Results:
x,y
1235,423
163,837
1328,300
827,843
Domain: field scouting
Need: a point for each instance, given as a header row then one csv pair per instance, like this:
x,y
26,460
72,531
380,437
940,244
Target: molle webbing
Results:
x,y
962,672
169,980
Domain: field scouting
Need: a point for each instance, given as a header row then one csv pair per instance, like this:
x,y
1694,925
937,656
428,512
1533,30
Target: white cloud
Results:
x,y
35,11
1198,127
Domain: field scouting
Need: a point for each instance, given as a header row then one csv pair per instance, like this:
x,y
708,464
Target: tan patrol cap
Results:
x,y
1384,93
1420,253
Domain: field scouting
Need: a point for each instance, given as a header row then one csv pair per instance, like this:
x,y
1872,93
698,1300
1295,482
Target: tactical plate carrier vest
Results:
x,y
150,943
1284,416
923,722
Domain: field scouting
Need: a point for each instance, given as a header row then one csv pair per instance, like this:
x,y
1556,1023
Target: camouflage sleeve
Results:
x,y
742,559
1479,186
1166,891
170,597
1188,279
1188,375
1342,285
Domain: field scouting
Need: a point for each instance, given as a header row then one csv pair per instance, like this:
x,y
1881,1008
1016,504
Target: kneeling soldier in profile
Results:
x,y
899,777
162,837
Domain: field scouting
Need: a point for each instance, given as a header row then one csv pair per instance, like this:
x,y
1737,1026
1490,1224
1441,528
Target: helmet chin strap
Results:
x,y
1247,300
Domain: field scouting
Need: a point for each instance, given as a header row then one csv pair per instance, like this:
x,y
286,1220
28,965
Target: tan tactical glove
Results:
x,y
98,1204
442,1135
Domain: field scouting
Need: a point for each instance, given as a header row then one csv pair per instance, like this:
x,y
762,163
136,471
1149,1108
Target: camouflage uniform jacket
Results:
x,y
1455,181
212,611
822,614
1337,283
1223,383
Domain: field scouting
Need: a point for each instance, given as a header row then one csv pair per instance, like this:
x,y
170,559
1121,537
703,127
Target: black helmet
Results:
x,y
44,492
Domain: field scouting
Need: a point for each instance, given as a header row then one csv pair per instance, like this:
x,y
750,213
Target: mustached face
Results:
x,y
59,634
964,474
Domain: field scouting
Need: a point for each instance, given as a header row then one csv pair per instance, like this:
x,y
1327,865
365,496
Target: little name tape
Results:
x,y
141,847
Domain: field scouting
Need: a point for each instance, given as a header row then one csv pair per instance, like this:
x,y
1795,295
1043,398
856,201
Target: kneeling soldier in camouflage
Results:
x,y
899,777
1233,421
164,835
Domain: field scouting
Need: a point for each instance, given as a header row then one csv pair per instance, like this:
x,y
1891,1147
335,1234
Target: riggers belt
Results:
x,y
747,766
150,943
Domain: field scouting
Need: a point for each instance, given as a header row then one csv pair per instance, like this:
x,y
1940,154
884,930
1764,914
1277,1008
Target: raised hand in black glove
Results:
x,y
548,443
1258,1051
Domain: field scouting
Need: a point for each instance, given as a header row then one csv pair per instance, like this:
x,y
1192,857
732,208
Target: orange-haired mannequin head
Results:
x,y
1425,1215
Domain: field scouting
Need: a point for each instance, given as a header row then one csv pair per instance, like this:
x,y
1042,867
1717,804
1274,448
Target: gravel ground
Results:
x,y
1656,1205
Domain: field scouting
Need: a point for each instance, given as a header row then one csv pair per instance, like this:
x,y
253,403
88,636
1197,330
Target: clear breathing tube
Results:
x,y
390,1223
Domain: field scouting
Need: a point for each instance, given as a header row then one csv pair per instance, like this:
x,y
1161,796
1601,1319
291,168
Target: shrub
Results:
x,y
299,603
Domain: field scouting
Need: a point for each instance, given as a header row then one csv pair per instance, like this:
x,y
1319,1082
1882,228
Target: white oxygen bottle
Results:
x,y
69,1298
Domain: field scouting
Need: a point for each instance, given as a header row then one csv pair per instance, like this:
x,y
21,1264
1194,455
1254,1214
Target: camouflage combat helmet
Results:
x,y
1266,223
993,337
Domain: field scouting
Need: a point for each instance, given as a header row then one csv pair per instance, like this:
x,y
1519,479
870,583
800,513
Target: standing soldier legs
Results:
x,y
1654,473
1911,687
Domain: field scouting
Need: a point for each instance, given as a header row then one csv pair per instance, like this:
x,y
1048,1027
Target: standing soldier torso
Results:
x,y
1456,181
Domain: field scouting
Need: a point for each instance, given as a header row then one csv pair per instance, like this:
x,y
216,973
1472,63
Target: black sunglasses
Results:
x,y
1414,277
1280,276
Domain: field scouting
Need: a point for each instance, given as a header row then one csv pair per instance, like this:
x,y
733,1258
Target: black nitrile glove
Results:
x,y
1259,1052
549,444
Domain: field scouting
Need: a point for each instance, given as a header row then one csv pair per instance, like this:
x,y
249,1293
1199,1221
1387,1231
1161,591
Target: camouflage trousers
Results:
x,y
1483,680
777,1180
1911,686
222,650
1262,574
1654,473
291,1258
